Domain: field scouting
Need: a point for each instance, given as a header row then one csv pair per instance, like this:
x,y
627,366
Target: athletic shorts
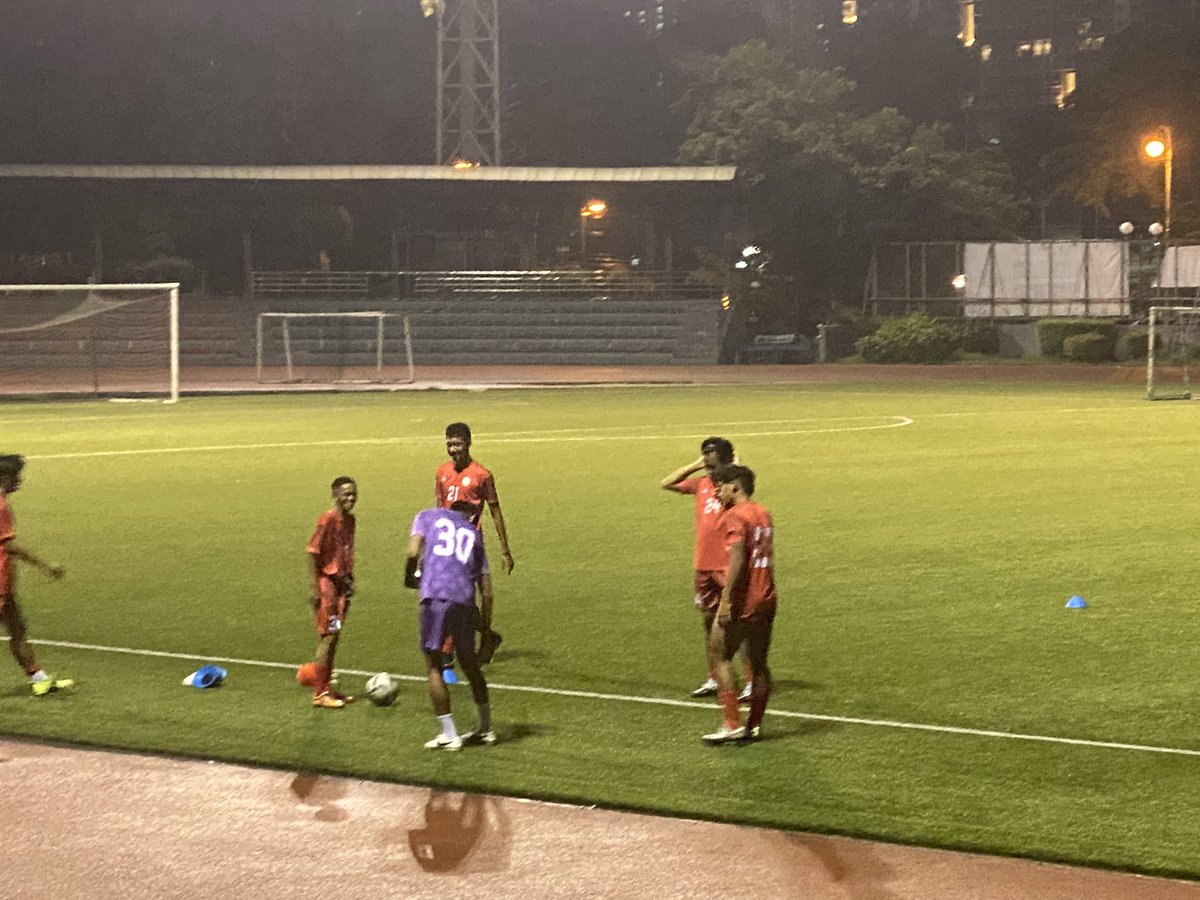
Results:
x,y
333,605
441,619
708,584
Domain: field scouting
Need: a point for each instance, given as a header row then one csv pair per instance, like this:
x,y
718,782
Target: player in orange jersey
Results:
x,y
710,555
331,584
11,466
462,479
746,610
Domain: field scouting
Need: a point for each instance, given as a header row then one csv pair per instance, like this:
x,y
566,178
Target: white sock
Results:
x,y
449,732
37,676
485,717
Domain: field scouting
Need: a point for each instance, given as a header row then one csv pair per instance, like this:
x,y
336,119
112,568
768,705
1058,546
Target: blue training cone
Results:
x,y
206,677
1076,602
449,676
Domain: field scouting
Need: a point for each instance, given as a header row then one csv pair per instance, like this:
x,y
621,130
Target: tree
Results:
x,y
825,182
1152,79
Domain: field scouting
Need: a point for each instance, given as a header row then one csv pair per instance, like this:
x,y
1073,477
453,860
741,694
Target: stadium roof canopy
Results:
x,y
519,174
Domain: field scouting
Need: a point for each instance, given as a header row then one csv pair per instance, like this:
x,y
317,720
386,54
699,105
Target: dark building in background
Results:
x,y
1032,53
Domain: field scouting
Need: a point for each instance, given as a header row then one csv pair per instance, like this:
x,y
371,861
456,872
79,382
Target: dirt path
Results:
x,y
97,825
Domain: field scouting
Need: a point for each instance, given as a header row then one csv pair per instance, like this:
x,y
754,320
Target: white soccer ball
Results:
x,y
382,689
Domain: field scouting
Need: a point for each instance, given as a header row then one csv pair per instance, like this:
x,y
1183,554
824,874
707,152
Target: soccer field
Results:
x,y
927,538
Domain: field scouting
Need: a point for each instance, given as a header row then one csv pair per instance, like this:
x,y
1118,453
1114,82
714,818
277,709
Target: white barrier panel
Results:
x,y
1180,267
1047,278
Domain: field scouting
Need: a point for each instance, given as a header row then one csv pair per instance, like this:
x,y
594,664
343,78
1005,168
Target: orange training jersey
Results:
x,y
333,543
474,484
6,535
750,524
711,554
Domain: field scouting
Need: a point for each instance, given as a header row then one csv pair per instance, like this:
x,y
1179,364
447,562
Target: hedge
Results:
x,y
1091,346
914,338
1051,334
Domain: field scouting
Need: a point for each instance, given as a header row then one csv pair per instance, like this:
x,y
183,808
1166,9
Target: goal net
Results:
x,y
109,340
333,348
1172,351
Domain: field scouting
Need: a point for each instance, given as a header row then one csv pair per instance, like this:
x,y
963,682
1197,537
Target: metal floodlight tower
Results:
x,y
468,82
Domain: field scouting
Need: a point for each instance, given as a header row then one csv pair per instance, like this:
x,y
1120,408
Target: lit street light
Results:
x,y
593,209
1162,146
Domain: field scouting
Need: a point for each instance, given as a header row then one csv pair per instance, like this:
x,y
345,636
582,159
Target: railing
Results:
x,y
465,282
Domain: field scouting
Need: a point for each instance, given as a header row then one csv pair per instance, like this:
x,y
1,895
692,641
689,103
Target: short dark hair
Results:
x,y
340,480
464,507
459,430
11,465
719,446
741,474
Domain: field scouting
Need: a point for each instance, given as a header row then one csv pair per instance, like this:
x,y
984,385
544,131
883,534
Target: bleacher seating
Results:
x,y
465,329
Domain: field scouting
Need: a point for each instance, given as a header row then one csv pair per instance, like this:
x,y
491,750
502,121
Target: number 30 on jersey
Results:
x,y
454,540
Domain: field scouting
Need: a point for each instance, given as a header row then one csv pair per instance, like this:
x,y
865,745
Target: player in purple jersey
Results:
x,y
447,563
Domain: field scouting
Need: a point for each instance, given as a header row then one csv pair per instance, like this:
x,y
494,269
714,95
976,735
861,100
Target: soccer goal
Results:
x,y
1173,347
103,340
333,348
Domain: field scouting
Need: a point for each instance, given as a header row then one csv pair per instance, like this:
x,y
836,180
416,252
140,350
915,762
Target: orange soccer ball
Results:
x,y
306,674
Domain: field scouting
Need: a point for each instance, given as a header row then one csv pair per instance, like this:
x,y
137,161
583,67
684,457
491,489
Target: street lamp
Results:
x,y
1162,146
593,209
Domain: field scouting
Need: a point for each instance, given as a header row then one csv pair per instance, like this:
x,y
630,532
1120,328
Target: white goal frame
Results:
x,y
1152,387
378,316
172,287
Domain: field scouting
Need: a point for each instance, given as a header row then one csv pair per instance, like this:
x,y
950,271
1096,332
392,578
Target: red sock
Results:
x,y
733,718
321,682
758,704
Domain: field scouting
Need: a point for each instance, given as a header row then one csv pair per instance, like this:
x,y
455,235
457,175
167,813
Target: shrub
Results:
x,y
977,337
1052,333
1136,342
1091,346
909,339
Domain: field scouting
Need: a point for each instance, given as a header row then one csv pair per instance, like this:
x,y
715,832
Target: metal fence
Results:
x,y
1031,279
597,283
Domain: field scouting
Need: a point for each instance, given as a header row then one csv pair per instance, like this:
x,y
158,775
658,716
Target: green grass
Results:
x,y
922,570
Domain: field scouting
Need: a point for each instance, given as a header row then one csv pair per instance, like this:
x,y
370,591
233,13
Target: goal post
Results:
x,y
1173,347
110,340
371,347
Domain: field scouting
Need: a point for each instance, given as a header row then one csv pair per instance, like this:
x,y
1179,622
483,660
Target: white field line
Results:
x,y
659,701
896,422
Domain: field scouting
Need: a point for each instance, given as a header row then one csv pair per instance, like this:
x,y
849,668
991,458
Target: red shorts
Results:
x,y
708,584
333,603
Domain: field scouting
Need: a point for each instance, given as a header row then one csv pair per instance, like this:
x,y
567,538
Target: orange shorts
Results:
x,y
333,603
708,584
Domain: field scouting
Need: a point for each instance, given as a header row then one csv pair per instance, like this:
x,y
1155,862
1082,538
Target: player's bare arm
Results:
x,y
485,599
51,571
502,533
671,482
734,569
412,562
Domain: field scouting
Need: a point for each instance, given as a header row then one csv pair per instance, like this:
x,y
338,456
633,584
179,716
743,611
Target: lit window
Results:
x,y
1042,47
966,23
1085,26
985,52
849,12
1091,43
1024,49
1066,86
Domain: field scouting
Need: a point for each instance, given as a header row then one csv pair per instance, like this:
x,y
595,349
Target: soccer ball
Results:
x,y
382,689
306,675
